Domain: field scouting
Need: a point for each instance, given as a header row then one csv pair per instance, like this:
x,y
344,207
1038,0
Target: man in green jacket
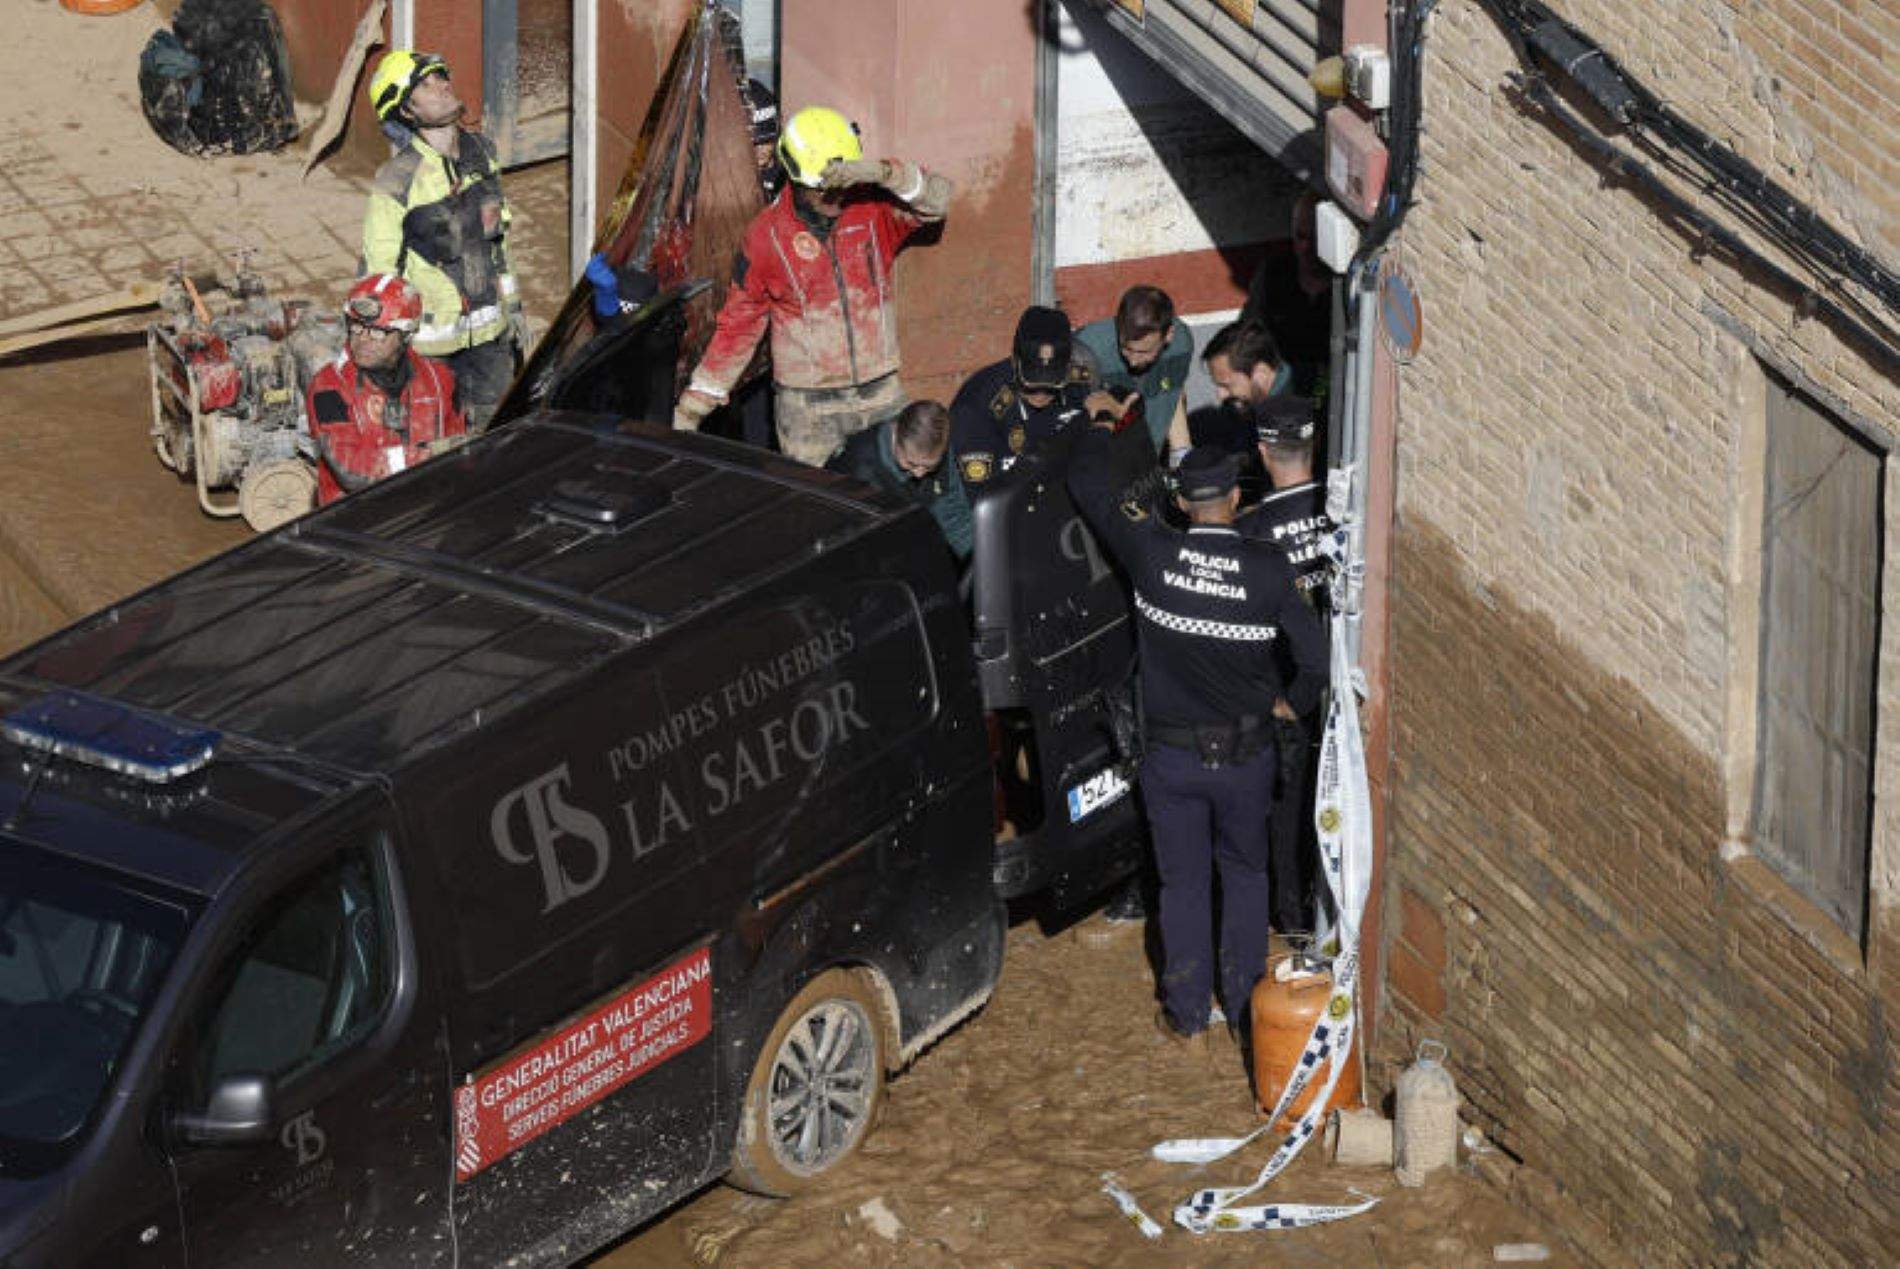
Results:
x,y
437,218
1144,349
908,456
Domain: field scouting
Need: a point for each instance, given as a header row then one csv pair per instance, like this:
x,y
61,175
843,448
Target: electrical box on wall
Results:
x,y
1355,161
1369,76
1335,237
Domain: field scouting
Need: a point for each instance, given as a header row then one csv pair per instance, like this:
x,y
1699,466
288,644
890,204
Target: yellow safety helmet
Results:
x,y
397,76
813,138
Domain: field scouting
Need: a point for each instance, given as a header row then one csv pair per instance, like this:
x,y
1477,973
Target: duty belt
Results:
x,y
1217,744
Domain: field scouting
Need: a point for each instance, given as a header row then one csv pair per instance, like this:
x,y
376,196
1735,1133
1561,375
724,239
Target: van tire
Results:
x,y
814,1133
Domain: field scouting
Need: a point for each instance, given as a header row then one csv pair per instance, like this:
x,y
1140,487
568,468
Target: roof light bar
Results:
x,y
150,748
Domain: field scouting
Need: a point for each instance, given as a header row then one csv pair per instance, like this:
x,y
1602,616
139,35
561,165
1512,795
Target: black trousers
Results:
x,y
1293,858
1206,822
483,374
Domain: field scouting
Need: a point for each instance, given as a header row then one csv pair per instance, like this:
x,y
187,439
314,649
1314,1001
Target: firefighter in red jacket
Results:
x,y
816,269
379,407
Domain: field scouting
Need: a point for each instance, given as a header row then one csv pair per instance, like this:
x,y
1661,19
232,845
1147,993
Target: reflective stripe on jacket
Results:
x,y
828,301
360,432
426,222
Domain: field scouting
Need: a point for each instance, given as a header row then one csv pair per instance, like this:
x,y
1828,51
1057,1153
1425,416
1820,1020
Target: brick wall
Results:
x,y
1691,1064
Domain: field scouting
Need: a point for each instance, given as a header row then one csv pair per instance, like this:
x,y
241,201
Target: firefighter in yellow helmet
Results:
x,y
438,219
815,270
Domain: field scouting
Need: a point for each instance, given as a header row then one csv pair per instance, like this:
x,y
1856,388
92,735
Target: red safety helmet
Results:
x,y
386,302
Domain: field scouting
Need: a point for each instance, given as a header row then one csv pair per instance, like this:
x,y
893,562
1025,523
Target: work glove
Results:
x,y
692,409
526,334
606,284
844,173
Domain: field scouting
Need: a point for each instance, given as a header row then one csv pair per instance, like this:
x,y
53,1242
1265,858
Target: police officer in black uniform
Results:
x,y
1293,517
1212,609
1004,408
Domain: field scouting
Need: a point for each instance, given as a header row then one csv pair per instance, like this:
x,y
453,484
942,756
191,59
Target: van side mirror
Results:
x,y
238,1112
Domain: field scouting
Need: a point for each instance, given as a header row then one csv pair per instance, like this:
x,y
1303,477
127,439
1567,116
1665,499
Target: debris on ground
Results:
x,y
994,1151
881,1220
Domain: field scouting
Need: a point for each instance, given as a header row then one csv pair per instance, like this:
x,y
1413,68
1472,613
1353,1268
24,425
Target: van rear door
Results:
x,y
1055,644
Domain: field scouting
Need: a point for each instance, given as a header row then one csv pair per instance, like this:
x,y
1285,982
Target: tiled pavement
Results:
x,y
91,200
69,232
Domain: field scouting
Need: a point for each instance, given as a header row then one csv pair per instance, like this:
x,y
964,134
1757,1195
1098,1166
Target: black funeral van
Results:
x,y
466,872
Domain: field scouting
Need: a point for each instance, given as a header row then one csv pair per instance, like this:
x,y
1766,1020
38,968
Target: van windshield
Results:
x,y
81,956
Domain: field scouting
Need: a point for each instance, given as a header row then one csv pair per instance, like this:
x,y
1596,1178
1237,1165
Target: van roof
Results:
x,y
430,606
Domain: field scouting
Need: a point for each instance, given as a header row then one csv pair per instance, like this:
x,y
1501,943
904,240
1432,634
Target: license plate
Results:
x,y
1096,792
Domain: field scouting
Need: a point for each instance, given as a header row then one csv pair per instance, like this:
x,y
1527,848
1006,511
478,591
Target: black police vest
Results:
x,y
1295,520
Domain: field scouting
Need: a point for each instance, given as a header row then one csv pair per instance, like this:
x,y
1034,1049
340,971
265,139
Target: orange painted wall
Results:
x,y
318,32
951,86
453,28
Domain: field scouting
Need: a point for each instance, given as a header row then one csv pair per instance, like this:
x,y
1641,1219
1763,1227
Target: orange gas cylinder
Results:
x,y
1285,1006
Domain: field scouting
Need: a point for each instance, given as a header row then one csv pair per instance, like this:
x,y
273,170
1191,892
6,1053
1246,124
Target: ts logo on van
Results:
x,y
303,1138
541,806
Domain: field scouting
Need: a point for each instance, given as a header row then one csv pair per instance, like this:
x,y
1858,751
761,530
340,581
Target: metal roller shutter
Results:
x,y
1248,59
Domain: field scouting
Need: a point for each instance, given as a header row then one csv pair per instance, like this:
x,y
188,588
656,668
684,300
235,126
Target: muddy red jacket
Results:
x,y
828,300
364,434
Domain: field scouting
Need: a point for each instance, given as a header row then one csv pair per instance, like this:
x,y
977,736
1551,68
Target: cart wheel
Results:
x,y
815,1089
276,492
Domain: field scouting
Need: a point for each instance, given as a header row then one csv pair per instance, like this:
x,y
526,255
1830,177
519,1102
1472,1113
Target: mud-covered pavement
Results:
x,y
991,1147
88,514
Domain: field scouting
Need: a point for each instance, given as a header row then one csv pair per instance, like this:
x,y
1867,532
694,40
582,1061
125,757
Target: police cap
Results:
x,y
1043,348
1206,473
1283,420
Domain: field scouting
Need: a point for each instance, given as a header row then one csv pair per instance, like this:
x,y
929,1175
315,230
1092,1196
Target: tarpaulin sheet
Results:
x,y
689,191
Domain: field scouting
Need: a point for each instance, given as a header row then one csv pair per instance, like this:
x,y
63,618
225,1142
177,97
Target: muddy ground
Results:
x,y
991,1148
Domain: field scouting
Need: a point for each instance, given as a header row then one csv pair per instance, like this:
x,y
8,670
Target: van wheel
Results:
x,y
816,1088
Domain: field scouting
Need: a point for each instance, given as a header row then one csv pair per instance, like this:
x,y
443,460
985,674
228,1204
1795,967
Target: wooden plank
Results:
x,y
138,295
336,110
115,324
